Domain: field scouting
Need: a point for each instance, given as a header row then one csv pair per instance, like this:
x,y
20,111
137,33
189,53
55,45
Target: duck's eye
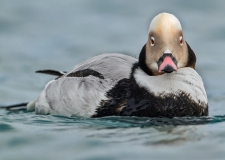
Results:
x,y
152,41
181,40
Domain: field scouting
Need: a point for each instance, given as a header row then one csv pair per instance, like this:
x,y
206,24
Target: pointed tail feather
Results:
x,y
28,106
51,72
15,107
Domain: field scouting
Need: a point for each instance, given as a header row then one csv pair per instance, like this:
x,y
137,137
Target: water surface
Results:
x,y
57,35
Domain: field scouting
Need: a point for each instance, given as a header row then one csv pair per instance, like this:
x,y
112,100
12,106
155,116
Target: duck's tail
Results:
x,y
30,106
27,106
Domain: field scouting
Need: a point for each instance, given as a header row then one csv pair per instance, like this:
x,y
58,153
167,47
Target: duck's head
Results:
x,y
166,50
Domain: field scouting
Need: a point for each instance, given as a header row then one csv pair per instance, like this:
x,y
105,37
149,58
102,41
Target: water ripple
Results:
x,y
5,127
107,122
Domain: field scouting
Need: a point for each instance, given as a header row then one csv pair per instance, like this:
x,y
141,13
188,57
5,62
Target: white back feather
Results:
x,y
112,66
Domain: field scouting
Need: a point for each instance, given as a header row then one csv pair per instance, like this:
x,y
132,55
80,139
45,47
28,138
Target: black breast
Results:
x,y
128,99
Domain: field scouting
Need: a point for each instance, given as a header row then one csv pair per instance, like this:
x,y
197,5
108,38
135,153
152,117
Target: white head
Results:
x,y
166,49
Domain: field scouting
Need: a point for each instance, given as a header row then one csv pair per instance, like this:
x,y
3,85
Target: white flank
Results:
x,y
185,79
73,96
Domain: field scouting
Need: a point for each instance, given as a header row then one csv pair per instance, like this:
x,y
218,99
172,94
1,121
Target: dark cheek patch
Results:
x,y
191,57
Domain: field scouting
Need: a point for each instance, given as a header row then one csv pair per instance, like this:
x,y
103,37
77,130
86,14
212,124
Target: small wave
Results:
x,y
4,127
113,121
155,121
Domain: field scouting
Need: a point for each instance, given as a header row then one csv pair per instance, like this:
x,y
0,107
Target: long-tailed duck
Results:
x,y
163,82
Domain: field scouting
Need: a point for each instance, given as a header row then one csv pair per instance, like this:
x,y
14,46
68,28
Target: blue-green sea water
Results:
x,y
58,34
